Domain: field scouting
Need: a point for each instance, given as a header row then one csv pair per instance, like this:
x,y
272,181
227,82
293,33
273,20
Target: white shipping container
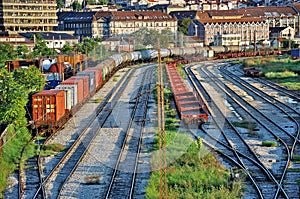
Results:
x,y
73,88
68,98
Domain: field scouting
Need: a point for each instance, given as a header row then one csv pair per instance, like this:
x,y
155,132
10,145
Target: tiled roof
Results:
x,y
296,6
269,11
141,16
247,19
116,16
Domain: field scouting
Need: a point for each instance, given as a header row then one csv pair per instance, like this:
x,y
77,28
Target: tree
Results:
x,y
76,5
147,37
12,99
184,25
7,52
103,2
22,51
40,48
32,79
87,46
59,4
14,90
285,44
67,48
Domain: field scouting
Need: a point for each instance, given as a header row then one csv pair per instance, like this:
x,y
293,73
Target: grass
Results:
x,y
294,169
11,151
280,75
194,175
52,149
192,172
269,143
115,79
282,70
180,70
296,157
245,124
98,100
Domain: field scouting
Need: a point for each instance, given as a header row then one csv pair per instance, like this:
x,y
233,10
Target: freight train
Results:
x,y
55,68
52,108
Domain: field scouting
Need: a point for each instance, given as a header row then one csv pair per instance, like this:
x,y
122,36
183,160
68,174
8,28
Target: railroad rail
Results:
x,y
283,108
122,182
81,138
234,96
225,146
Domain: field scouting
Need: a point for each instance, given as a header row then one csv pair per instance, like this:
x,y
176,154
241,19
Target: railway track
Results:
x,y
285,111
251,164
263,121
64,157
293,95
29,177
122,182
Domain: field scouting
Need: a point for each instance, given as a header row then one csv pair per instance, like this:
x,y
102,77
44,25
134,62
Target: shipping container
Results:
x,y
98,75
91,75
295,53
86,87
48,106
73,89
79,85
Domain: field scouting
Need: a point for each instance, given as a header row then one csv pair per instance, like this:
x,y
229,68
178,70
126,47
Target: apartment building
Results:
x,y
27,15
114,23
230,31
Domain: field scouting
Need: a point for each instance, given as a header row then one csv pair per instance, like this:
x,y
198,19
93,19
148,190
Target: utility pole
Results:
x,y
254,42
289,39
163,186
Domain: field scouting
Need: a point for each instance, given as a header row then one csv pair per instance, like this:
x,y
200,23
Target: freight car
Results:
x,y
252,72
74,89
190,109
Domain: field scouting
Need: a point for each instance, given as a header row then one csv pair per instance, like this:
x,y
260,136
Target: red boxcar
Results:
x,y
48,106
79,83
86,85
98,75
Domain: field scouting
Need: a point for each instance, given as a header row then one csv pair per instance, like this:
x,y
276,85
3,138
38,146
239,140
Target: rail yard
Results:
x,y
251,124
233,98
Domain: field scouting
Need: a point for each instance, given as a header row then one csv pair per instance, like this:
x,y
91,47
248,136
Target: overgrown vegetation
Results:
x,y
14,90
194,175
192,171
284,71
269,143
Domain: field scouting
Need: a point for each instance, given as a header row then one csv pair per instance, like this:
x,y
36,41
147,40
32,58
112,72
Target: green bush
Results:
x,y
245,124
280,75
269,143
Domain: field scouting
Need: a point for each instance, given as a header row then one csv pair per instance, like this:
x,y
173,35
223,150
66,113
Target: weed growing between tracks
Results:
x,y
196,176
269,143
192,174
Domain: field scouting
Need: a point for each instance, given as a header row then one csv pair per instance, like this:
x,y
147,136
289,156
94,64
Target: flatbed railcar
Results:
x,y
190,109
